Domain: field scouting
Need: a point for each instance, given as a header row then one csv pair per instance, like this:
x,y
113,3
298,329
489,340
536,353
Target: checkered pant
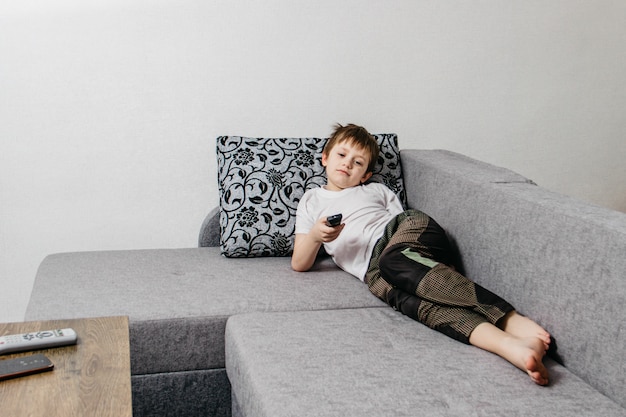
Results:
x,y
410,271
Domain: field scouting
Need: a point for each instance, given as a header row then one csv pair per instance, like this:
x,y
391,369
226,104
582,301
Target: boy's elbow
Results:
x,y
299,266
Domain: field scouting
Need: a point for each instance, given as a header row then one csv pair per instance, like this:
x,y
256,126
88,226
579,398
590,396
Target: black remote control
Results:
x,y
27,365
334,220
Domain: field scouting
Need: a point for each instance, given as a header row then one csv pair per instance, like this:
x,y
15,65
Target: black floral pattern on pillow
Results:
x,y
388,169
261,181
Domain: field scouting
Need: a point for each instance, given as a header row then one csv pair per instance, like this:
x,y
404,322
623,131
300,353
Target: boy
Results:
x,y
405,257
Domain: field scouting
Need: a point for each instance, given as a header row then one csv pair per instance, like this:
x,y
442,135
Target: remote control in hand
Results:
x,y
334,220
38,340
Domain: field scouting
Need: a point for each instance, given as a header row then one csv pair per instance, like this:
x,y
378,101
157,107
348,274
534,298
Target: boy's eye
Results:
x,y
358,162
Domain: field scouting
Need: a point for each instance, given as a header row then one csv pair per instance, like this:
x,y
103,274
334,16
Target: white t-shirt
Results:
x,y
366,210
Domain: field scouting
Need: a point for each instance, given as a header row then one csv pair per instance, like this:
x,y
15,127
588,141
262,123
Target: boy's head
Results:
x,y
358,136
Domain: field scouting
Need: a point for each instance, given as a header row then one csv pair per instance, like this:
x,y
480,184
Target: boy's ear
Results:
x,y
366,177
324,158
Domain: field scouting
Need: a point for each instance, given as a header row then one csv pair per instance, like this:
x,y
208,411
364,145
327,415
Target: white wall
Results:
x,y
109,110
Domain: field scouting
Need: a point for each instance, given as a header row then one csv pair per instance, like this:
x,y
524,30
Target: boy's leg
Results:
x,y
447,301
416,260
450,314
424,234
407,270
457,323
464,325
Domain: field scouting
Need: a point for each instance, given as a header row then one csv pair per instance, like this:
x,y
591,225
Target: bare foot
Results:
x,y
537,371
523,327
527,354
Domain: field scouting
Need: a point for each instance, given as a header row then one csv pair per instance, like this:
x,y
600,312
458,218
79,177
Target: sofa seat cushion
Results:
x,y
178,300
376,362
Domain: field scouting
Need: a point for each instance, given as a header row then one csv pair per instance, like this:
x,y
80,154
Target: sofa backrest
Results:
x,y
556,259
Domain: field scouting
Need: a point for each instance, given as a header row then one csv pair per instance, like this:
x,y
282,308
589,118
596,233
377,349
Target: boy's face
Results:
x,y
346,166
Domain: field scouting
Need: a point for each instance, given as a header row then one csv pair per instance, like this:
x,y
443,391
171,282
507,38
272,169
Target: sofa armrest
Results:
x,y
210,229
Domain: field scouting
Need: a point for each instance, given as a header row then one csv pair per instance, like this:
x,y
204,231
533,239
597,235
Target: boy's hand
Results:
x,y
326,233
307,246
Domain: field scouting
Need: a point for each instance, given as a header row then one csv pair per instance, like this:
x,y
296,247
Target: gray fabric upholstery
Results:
x,y
438,165
192,393
376,362
210,230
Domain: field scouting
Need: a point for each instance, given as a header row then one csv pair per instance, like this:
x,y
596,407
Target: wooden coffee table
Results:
x,y
91,378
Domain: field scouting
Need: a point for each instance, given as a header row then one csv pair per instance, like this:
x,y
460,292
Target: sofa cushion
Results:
x,y
178,300
261,181
376,362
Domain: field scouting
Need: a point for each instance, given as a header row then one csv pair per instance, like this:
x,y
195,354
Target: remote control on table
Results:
x,y
12,368
37,340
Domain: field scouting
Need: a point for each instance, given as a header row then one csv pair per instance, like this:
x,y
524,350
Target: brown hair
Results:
x,y
356,135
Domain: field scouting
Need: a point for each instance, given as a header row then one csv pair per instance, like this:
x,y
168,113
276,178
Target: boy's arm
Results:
x,y
306,246
305,251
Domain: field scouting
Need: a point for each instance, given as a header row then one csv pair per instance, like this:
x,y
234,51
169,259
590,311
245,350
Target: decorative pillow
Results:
x,y
261,181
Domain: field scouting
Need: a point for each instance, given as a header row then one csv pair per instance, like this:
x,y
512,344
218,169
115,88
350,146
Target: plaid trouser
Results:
x,y
410,271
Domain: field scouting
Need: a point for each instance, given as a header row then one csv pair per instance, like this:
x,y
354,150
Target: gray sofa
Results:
x,y
215,336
